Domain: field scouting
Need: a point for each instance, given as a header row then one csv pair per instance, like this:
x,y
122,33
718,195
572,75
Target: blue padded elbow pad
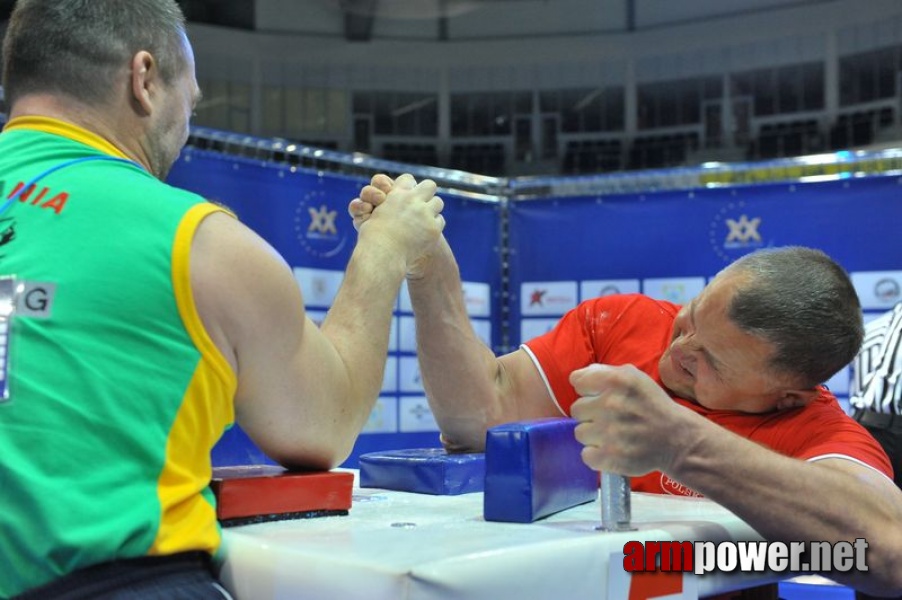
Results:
x,y
424,471
533,469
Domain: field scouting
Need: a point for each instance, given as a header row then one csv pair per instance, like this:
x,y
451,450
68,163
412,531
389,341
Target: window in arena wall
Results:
x,y
586,110
673,103
782,90
868,76
487,114
225,105
398,113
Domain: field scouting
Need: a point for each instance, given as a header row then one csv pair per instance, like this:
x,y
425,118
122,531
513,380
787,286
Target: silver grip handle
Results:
x,y
615,502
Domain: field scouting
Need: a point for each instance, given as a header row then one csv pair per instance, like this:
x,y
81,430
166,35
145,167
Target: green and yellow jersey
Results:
x,y
116,392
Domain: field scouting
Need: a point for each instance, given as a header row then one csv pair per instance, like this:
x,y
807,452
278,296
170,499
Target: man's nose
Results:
x,y
685,347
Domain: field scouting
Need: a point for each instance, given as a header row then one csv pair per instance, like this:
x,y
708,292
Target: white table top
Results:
x,y
402,546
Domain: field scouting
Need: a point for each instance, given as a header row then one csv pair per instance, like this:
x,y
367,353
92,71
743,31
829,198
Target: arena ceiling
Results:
x,y
356,20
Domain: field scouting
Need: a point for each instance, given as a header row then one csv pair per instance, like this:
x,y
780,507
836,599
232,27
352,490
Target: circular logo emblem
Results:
x,y
733,232
886,290
315,226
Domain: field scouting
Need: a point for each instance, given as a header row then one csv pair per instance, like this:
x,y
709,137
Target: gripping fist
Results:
x,y
402,213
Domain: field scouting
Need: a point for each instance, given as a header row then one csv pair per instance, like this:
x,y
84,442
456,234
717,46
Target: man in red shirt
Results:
x,y
643,332
720,398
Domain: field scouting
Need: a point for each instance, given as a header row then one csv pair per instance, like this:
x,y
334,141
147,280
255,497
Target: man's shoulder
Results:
x,y
822,418
824,411
139,183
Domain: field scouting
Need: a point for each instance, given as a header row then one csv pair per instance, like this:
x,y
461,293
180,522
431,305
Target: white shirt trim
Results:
x,y
849,458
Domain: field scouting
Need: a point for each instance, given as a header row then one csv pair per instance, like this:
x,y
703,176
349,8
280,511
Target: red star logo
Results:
x,y
536,297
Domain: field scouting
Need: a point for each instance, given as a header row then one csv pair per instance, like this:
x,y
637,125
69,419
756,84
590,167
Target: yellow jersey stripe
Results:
x,y
188,516
181,282
67,130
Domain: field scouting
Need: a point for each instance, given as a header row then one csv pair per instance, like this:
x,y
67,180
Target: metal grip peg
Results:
x,y
615,502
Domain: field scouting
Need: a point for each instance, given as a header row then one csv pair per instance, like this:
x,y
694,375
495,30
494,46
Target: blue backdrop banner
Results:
x,y
669,244
526,262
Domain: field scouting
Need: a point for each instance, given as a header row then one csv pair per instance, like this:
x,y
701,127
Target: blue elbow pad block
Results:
x,y
424,471
533,469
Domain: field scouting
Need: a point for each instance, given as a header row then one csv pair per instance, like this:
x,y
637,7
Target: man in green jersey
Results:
x,y
161,320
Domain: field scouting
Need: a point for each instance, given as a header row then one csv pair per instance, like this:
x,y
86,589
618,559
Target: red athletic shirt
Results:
x,y
635,329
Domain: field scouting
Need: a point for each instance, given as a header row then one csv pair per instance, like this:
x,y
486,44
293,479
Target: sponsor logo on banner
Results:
x,y
316,226
319,286
734,232
607,287
547,298
678,290
887,290
878,289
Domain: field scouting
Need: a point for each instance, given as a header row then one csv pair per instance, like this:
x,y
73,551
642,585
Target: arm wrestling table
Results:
x,y
404,546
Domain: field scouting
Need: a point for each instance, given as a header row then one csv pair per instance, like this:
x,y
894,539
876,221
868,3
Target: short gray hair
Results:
x,y
803,302
76,47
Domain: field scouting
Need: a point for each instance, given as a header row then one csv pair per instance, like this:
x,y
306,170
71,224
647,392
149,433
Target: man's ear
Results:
x,y
144,75
796,398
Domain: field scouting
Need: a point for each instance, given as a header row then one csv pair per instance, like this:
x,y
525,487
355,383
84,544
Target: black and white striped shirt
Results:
x,y
877,370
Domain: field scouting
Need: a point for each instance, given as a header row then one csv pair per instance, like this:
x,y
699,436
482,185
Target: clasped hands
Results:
x,y
406,213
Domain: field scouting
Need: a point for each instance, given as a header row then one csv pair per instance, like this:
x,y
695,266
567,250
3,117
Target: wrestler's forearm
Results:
x,y
459,371
358,326
791,500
